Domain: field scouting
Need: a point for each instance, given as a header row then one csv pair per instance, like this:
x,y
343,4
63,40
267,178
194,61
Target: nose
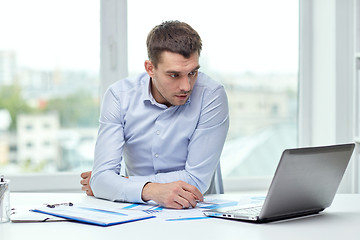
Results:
x,y
185,84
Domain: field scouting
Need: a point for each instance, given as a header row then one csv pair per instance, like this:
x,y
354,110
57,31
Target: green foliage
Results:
x,y
76,110
10,99
29,166
79,109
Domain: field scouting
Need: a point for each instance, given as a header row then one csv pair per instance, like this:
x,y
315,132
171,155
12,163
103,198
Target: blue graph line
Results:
x,y
131,206
151,211
102,211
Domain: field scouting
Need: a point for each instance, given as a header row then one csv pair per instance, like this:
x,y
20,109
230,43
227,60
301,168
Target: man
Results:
x,y
168,125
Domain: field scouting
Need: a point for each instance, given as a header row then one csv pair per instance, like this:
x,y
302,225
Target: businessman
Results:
x,y
168,125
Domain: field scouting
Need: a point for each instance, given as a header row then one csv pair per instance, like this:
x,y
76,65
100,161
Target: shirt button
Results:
x,y
158,132
156,155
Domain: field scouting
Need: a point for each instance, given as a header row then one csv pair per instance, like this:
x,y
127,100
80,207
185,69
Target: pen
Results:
x,y
58,204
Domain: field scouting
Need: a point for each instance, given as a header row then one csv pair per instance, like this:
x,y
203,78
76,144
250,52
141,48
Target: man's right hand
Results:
x,y
176,195
85,183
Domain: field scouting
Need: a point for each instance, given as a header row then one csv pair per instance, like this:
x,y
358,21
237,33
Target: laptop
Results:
x,y
305,183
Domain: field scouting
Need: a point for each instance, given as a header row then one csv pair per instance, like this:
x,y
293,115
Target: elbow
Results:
x,y
99,186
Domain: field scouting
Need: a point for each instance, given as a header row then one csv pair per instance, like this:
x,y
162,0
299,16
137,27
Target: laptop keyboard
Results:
x,y
251,211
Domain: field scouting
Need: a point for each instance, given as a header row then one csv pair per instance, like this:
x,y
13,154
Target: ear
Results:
x,y
149,68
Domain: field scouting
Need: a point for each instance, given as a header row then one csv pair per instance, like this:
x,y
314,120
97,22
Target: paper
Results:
x,y
127,212
166,214
93,215
24,215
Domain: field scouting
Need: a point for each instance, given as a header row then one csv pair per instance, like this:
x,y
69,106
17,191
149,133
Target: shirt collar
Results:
x,y
147,95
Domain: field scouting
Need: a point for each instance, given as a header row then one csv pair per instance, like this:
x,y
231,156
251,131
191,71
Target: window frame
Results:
x,y
328,89
113,66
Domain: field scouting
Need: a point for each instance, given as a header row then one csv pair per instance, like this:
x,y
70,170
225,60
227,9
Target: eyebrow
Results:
x,y
176,72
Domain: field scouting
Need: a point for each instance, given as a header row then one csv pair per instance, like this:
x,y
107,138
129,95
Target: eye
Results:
x,y
174,75
193,73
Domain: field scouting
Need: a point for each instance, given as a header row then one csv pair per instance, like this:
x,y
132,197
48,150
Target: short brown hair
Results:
x,y
174,36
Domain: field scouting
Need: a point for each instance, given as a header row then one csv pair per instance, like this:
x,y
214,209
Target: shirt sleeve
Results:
x,y
205,145
106,181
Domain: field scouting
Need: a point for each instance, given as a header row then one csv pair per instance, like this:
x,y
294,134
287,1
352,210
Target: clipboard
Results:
x,y
90,215
24,215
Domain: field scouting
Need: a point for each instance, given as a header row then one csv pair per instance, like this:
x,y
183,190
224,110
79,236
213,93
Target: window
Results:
x,y
49,85
252,48
43,62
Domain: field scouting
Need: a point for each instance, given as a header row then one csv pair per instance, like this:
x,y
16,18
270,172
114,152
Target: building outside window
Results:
x,y
49,85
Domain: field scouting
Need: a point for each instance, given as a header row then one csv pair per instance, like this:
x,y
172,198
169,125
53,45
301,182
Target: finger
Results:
x,y
175,205
85,174
189,197
186,199
85,181
89,193
182,202
175,202
193,190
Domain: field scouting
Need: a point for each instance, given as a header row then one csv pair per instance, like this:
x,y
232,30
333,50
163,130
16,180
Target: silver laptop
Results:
x,y
305,182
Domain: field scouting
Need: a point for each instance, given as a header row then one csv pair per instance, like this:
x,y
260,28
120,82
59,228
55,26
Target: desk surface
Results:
x,y
339,221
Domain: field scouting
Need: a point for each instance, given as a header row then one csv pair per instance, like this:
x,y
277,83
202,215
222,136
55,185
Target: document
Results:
x,y
93,215
166,214
103,214
24,215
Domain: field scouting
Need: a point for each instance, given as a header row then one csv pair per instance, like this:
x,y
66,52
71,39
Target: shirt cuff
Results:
x,y
135,188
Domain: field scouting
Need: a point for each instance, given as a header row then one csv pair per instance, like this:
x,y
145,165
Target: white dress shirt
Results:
x,y
158,143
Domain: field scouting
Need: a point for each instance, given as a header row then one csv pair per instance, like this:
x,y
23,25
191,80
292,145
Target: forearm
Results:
x,y
168,177
172,195
110,185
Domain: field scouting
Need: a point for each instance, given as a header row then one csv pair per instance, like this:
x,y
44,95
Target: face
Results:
x,y
174,78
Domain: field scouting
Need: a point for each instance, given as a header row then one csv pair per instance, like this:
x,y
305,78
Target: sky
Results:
x,y
238,35
50,34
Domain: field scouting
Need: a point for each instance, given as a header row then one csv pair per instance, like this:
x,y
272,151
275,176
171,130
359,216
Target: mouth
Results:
x,y
182,96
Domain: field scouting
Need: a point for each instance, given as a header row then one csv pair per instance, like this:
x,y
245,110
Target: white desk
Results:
x,y
340,221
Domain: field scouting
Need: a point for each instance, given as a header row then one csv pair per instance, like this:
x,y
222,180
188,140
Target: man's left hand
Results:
x,y
85,183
